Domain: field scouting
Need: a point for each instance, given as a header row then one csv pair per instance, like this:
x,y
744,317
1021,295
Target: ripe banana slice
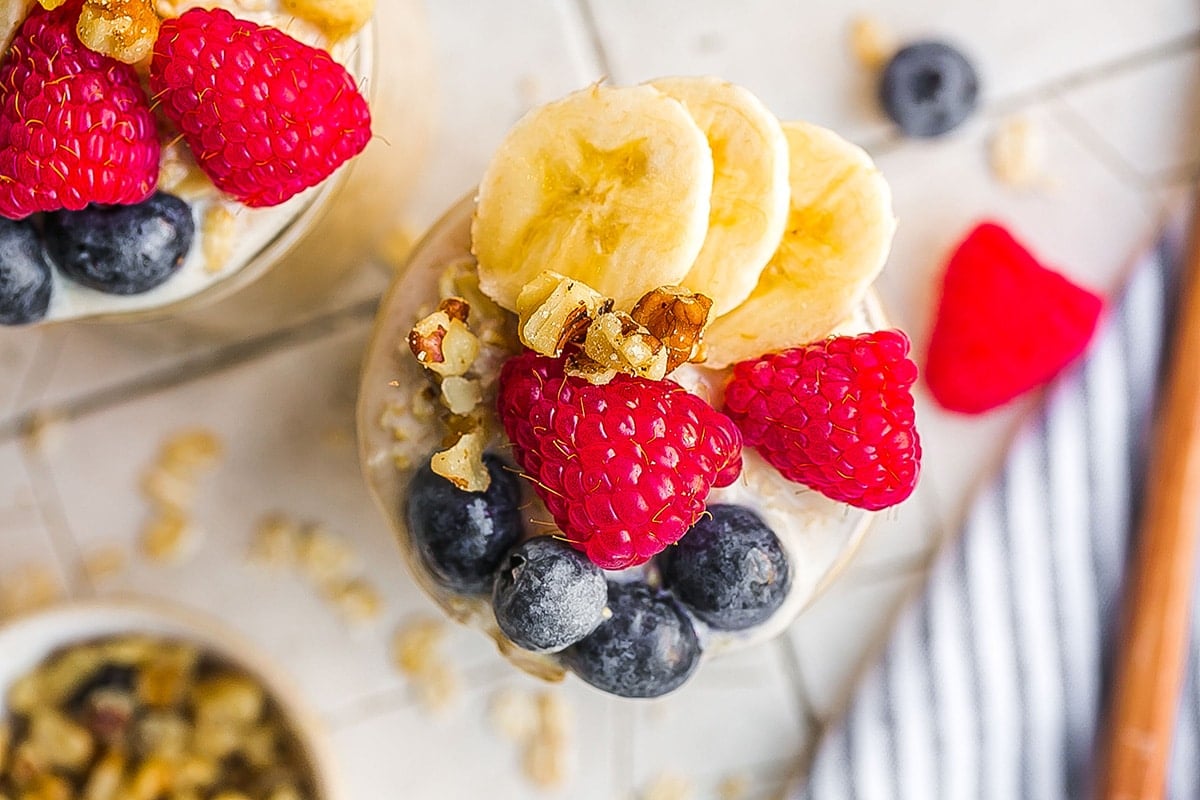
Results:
x,y
838,235
750,187
609,186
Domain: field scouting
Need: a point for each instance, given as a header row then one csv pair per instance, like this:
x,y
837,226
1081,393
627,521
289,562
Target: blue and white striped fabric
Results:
x,y
991,685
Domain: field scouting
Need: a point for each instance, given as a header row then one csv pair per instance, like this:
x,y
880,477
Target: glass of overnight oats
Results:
x,y
221,161
633,404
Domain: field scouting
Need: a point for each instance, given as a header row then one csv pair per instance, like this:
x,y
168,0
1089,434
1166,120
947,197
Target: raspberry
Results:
x,y
836,416
1005,324
265,115
75,126
623,468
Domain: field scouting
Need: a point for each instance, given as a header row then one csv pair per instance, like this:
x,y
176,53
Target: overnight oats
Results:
x,y
631,405
156,156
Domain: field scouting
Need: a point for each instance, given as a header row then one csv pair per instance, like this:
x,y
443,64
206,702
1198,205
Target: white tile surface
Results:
x,y
1111,86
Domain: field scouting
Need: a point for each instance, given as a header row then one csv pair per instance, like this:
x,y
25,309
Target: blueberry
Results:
x,y
122,249
729,569
929,89
463,536
645,649
548,595
24,274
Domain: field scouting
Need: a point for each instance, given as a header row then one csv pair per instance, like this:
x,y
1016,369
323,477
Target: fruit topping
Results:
x,y
836,416
624,468
609,186
25,284
339,18
122,29
1005,323
267,116
75,126
750,186
837,239
548,595
121,250
647,648
462,537
929,89
730,570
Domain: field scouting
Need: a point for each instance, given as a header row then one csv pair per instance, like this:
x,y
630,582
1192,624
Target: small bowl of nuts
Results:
x,y
118,700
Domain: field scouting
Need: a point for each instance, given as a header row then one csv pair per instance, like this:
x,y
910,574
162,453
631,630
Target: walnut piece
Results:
x,y
122,29
443,343
616,341
556,311
677,318
462,463
1018,153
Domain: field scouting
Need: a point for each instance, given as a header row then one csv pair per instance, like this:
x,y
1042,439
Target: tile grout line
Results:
x,y
196,368
63,545
1092,143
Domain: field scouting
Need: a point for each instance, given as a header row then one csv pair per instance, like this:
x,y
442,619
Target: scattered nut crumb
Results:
x,y
220,235
168,488
514,715
122,29
1018,153
416,653
104,564
189,452
27,589
442,344
276,542
357,601
168,536
326,558
462,463
616,341
734,787
545,762
461,395
179,174
669,786
872,43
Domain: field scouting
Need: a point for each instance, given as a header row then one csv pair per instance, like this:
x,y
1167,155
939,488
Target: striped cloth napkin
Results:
x,y
992,684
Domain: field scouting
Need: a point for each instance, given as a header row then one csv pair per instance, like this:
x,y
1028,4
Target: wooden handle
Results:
x,y
1152,651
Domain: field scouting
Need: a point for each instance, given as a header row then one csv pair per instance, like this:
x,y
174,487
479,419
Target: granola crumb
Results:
x,y
734,787
188,453
28,589
168,536
669,786
357,601
416,653
325,557
871,42
545,762
220,234
513,715
104,564
45,432
1018,153
276,542
462,463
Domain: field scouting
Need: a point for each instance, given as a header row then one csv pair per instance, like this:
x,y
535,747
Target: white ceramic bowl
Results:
x,y
27,641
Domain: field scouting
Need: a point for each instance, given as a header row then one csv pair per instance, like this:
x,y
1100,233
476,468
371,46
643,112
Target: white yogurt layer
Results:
x,y
252,229
818,534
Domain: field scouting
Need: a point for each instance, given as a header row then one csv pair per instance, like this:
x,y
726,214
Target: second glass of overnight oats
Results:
x,y
631,405
218,161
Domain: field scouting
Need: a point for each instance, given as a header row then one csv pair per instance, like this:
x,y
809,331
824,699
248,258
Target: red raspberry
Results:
x,y
836,416
75,126
625,468
1005,323
265,115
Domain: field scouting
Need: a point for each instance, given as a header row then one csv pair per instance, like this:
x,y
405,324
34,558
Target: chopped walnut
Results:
x,y
676,317
545,762
580,366
462,463
338,18
616,341
556,311
357,601
277,541
103,564
461,395
514,715
179,174
871,43
416,652
326,558
189,452
443,344
122,29
167,536
1018,153
220,236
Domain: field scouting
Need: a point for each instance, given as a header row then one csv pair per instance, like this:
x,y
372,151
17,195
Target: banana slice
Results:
x,y
750,187
609,186
12,14
838,236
